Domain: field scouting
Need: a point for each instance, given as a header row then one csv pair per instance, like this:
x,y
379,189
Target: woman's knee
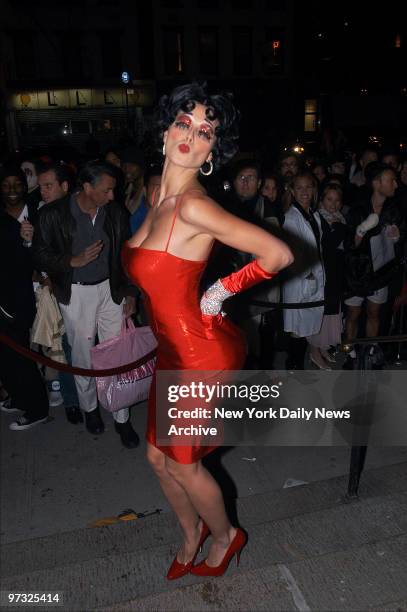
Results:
x,y
181,472
156,459
373,311
353,313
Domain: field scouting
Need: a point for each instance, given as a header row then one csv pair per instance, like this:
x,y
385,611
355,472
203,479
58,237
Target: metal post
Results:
x,y
357,462
358,452
398,361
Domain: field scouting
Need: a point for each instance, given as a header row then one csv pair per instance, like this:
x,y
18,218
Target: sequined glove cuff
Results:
x,y
212,299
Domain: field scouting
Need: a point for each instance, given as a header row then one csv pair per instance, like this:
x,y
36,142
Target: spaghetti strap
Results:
x,y
179,200
173,223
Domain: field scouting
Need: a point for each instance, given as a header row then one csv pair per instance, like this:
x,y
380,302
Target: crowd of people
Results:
x,y
344,219
291,254
348,239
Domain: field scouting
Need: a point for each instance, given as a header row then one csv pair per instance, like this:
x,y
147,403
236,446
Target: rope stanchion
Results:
x,y
287,305
64,367
34,356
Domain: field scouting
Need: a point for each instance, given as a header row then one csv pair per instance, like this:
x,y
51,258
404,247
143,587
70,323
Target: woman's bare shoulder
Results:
x,y
196,203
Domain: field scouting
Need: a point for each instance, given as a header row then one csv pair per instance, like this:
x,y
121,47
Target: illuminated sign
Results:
x,y
142,94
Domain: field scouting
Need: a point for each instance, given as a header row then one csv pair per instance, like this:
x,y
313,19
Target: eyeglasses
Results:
x,y
247,178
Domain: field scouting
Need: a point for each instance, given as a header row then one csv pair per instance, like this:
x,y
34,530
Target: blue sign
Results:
x,y
125,77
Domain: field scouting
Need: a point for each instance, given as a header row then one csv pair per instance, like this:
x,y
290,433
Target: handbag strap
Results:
x,y
127,325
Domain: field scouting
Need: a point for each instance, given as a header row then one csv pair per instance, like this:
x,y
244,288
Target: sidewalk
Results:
x,y
308,550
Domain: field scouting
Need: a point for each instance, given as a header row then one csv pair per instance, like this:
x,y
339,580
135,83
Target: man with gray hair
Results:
x,y
77,243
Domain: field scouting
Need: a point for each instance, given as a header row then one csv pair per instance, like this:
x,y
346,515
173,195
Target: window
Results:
x,y
173,50
242,51
79,127
44,131
109,125
238,5
208,50
172,4
51,4
208,4
111,53
310,116
273,55
70,53
24,54
275,5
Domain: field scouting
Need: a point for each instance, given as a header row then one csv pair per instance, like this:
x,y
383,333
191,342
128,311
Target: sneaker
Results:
x,y
55,398
24,422
54,393
7,406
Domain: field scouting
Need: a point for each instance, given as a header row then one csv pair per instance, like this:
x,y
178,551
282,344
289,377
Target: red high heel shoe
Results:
x,y
236,546
177,569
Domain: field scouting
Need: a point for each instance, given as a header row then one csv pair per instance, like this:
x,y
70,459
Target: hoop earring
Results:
x,y
209,161
164,149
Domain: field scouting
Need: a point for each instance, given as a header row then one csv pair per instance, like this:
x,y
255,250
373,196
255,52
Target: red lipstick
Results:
x,y
184,148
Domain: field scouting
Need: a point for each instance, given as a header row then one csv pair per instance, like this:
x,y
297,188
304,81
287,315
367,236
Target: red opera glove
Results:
x,y
248,276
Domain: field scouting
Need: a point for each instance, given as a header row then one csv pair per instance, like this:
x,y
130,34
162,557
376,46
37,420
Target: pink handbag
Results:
x,y
122,390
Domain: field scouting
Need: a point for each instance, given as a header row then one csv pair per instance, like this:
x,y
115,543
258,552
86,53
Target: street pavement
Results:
x,y
309,548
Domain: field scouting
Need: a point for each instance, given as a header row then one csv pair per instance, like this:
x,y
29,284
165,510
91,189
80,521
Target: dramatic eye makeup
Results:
x,y
205,132
182,122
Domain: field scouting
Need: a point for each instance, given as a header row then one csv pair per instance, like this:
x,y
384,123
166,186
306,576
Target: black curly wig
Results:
x,y
219,106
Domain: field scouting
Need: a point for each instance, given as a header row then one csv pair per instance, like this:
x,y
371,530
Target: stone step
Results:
x,y
85,544
324,582
128,566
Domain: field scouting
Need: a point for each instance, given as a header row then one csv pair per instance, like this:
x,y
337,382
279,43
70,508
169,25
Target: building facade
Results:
x,y
63,60
62,63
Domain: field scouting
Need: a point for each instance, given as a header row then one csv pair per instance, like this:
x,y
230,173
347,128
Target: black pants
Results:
x,y
21,377
297,347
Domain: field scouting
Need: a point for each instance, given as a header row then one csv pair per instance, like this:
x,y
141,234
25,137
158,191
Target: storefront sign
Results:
x,y
140,95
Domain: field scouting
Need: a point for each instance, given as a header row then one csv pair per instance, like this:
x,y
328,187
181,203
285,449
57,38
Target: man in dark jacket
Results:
x,y
246,201
77,242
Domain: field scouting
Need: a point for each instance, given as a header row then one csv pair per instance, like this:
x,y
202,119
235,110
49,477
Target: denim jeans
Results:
x,y
68,387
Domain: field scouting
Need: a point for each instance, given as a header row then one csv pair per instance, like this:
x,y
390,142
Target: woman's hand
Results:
x,y
213,298
129,306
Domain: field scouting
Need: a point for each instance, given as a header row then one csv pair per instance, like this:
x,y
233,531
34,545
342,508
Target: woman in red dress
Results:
x,y
166,258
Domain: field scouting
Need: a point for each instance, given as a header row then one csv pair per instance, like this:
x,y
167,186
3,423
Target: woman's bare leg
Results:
x,y
180,503
318,357
206,497
373,319
351,323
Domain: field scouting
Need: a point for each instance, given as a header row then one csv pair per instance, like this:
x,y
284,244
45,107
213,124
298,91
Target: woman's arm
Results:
x,y
209,218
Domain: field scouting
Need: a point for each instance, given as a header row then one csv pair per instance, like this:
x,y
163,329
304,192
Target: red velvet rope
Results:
x,y
64,367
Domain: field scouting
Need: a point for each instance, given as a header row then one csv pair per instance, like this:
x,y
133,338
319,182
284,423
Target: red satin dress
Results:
x,y
187,339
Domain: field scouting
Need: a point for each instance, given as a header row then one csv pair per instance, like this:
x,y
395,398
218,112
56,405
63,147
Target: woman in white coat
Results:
x,y
305,278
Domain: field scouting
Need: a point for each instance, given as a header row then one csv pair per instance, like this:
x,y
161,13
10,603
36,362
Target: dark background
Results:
x,y
349,57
